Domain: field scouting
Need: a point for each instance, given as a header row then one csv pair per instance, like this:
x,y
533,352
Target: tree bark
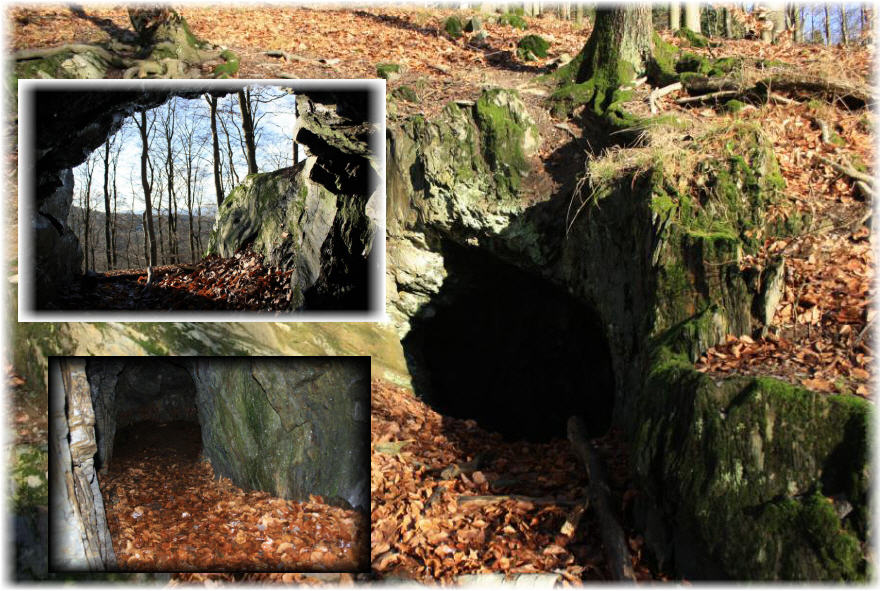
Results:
x,y
248,128
622,33
827,38
215,147
146,186
108,241
693,16
674,16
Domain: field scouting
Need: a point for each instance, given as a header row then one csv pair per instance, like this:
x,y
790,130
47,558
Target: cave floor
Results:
x,y
166,512
240,282
450,499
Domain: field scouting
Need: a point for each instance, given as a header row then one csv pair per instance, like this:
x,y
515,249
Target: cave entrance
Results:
x,y
510,350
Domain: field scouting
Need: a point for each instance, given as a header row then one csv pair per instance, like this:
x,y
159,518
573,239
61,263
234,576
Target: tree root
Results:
x,y
618,557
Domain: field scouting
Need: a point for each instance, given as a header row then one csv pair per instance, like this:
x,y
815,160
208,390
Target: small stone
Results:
x,y
472,25
33,481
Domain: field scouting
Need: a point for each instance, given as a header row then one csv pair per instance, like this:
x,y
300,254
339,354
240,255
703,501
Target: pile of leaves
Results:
x,y
167,512
448,499
240,282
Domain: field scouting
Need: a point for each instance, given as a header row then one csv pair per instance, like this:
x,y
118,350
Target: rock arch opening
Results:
x,y
510,350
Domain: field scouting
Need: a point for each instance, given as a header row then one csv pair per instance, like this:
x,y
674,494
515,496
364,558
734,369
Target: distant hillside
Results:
x,y
130,234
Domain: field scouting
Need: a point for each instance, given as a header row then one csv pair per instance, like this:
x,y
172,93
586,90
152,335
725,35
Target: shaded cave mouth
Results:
x,y
510,350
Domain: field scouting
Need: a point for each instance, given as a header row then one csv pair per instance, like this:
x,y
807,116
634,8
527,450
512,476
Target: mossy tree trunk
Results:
x,y
619,47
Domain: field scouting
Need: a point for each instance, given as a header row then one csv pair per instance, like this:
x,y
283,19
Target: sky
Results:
x,y
275,126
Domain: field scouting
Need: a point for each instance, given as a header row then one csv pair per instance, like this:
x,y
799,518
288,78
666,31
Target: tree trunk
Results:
x,y
827,38
248,128
215,147
674,16
843,24
170,176
145,185
108,242
727,18
580,13
234,176
622,33
693,16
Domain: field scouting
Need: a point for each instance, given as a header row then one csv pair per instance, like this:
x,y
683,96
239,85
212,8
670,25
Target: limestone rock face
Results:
x,y
735,474
457,176
293,426
317,218
285,214
57,253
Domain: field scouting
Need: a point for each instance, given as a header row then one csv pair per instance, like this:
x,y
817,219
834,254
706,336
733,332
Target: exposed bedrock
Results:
x,y
735,474
318,218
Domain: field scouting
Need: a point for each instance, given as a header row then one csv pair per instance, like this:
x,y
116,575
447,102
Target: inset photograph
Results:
x,y
209,464
200,199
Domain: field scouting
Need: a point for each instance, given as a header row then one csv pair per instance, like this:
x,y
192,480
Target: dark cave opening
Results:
x,y
510,350
143,406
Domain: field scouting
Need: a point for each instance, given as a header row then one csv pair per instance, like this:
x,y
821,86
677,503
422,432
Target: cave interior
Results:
x,y
510,350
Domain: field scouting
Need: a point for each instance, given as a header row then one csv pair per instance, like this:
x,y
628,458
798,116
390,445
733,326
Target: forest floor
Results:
x,y
193,521
823,323
821,339
240,282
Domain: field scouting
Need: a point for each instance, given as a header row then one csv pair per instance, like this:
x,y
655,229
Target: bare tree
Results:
x,y
843,24
212,103
248,127
108,240
86,210
827,37
146,184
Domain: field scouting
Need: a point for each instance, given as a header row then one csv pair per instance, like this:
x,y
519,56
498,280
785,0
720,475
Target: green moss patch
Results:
x,y
532,47
453,27
513,19
695,39
30,483
388,71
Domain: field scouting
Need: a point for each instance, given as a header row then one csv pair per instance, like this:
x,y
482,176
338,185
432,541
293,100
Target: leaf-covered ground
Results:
x,y
167,512
240,282
450,499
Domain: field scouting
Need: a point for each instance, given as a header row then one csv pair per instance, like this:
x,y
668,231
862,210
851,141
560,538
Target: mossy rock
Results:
x,y
506,139
230,67
406,92
388,72
532,47
453,27
473,25
514,20
66,64
695,39
743,469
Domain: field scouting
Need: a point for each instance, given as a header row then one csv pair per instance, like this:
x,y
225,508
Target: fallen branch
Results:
x,y
848,171
293,57
707,97
780,98
611,532
825,129
489,499
660,92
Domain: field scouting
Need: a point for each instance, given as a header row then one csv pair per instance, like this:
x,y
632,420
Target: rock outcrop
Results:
x,y
734,474
290,426
318,218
